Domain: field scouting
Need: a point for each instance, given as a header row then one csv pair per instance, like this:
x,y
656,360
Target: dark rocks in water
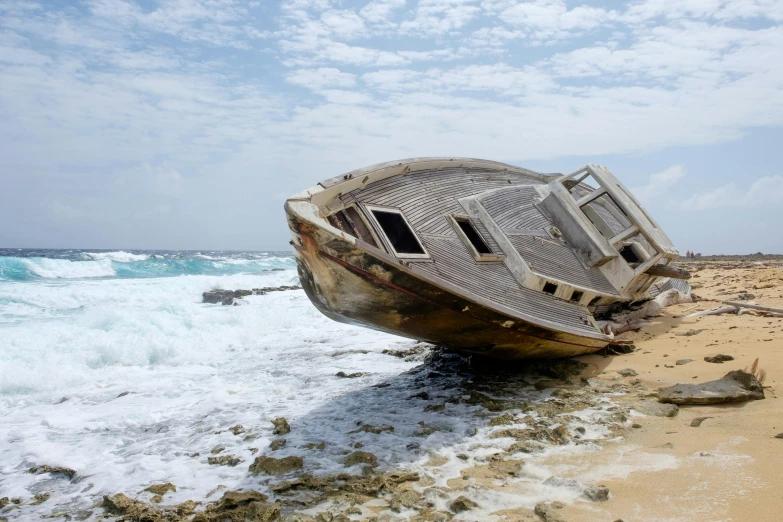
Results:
x,y
4,502
369,428
360,457
596,493
656,409
502,420
237,430
217,449
718,359
563,369
161,489
224,460
320,446
735,386
277,444
628,372
683,361
238,506
273,466
507,467
38,470
123,394
462,503
226,297
558,435
349,375
281,426
40,498
695,423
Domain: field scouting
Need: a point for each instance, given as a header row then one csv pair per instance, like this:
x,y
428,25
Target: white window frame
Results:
x,y
478,256
382,233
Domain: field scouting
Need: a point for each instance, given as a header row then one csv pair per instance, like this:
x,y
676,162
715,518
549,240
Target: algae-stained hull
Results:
x,y
467,254
355,287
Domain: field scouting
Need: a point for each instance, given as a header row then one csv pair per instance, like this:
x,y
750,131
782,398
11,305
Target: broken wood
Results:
x,y
668,271
755,307
729,309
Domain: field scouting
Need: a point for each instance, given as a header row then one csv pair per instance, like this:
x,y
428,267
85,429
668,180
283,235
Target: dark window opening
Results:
x,y
359,225
550,288
473,236
594,301
400,235
350,222
577,296
629,255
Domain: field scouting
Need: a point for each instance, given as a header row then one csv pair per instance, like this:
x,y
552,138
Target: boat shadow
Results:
x,y
436,410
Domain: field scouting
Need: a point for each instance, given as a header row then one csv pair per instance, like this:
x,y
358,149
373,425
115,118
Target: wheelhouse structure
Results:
x,y
477,255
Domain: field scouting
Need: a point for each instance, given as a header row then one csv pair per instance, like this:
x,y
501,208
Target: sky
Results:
x,y
174,124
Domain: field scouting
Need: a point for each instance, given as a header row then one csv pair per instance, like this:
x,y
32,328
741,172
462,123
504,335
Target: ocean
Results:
x,y
111,365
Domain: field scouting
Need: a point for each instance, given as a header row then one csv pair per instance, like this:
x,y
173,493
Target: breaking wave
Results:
x,y
131,265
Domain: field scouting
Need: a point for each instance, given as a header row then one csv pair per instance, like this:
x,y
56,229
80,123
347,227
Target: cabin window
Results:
x,y
398,232
577,296
629,255
351,222
594,300
473,235
581,185
550,288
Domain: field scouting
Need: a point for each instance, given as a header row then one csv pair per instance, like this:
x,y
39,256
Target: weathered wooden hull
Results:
x,y
354,283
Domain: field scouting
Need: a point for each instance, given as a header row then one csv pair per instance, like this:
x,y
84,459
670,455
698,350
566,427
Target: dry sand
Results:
x,y
728,468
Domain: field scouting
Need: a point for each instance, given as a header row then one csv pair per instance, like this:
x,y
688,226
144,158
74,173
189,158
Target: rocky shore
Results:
x,y
629,434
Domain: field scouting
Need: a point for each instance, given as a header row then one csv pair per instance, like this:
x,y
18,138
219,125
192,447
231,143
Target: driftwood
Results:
x,y
635,320
729,309
668,271
755,307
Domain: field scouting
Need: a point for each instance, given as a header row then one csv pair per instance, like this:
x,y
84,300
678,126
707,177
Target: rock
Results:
x,y
462,503
40,498
546,512
237,430
68,472
272,466
561,482
779,436
281,426
224,460
683,361
4,502
628,372
720,358
435,407
360,457
277,444
161,489
123,394
735,386
502,420
596,493
369,428
689,333
353,375
320,446
695,423
507,467
217,449
262,512
233,499
224,297
636,425
656,409
117,504
407,498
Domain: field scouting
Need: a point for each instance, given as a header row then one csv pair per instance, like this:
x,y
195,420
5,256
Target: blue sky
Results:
x,y
186,124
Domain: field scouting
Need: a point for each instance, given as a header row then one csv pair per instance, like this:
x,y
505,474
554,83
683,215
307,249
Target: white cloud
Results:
x,y
435,17
318,79
659,183
767,190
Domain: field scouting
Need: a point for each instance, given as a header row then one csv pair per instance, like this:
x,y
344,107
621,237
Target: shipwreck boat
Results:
x,y
482,257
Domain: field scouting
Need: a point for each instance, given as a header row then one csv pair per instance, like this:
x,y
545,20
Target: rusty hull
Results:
x,y
359,284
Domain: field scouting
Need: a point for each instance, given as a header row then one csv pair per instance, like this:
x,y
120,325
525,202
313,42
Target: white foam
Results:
x,y
119,256
65,269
